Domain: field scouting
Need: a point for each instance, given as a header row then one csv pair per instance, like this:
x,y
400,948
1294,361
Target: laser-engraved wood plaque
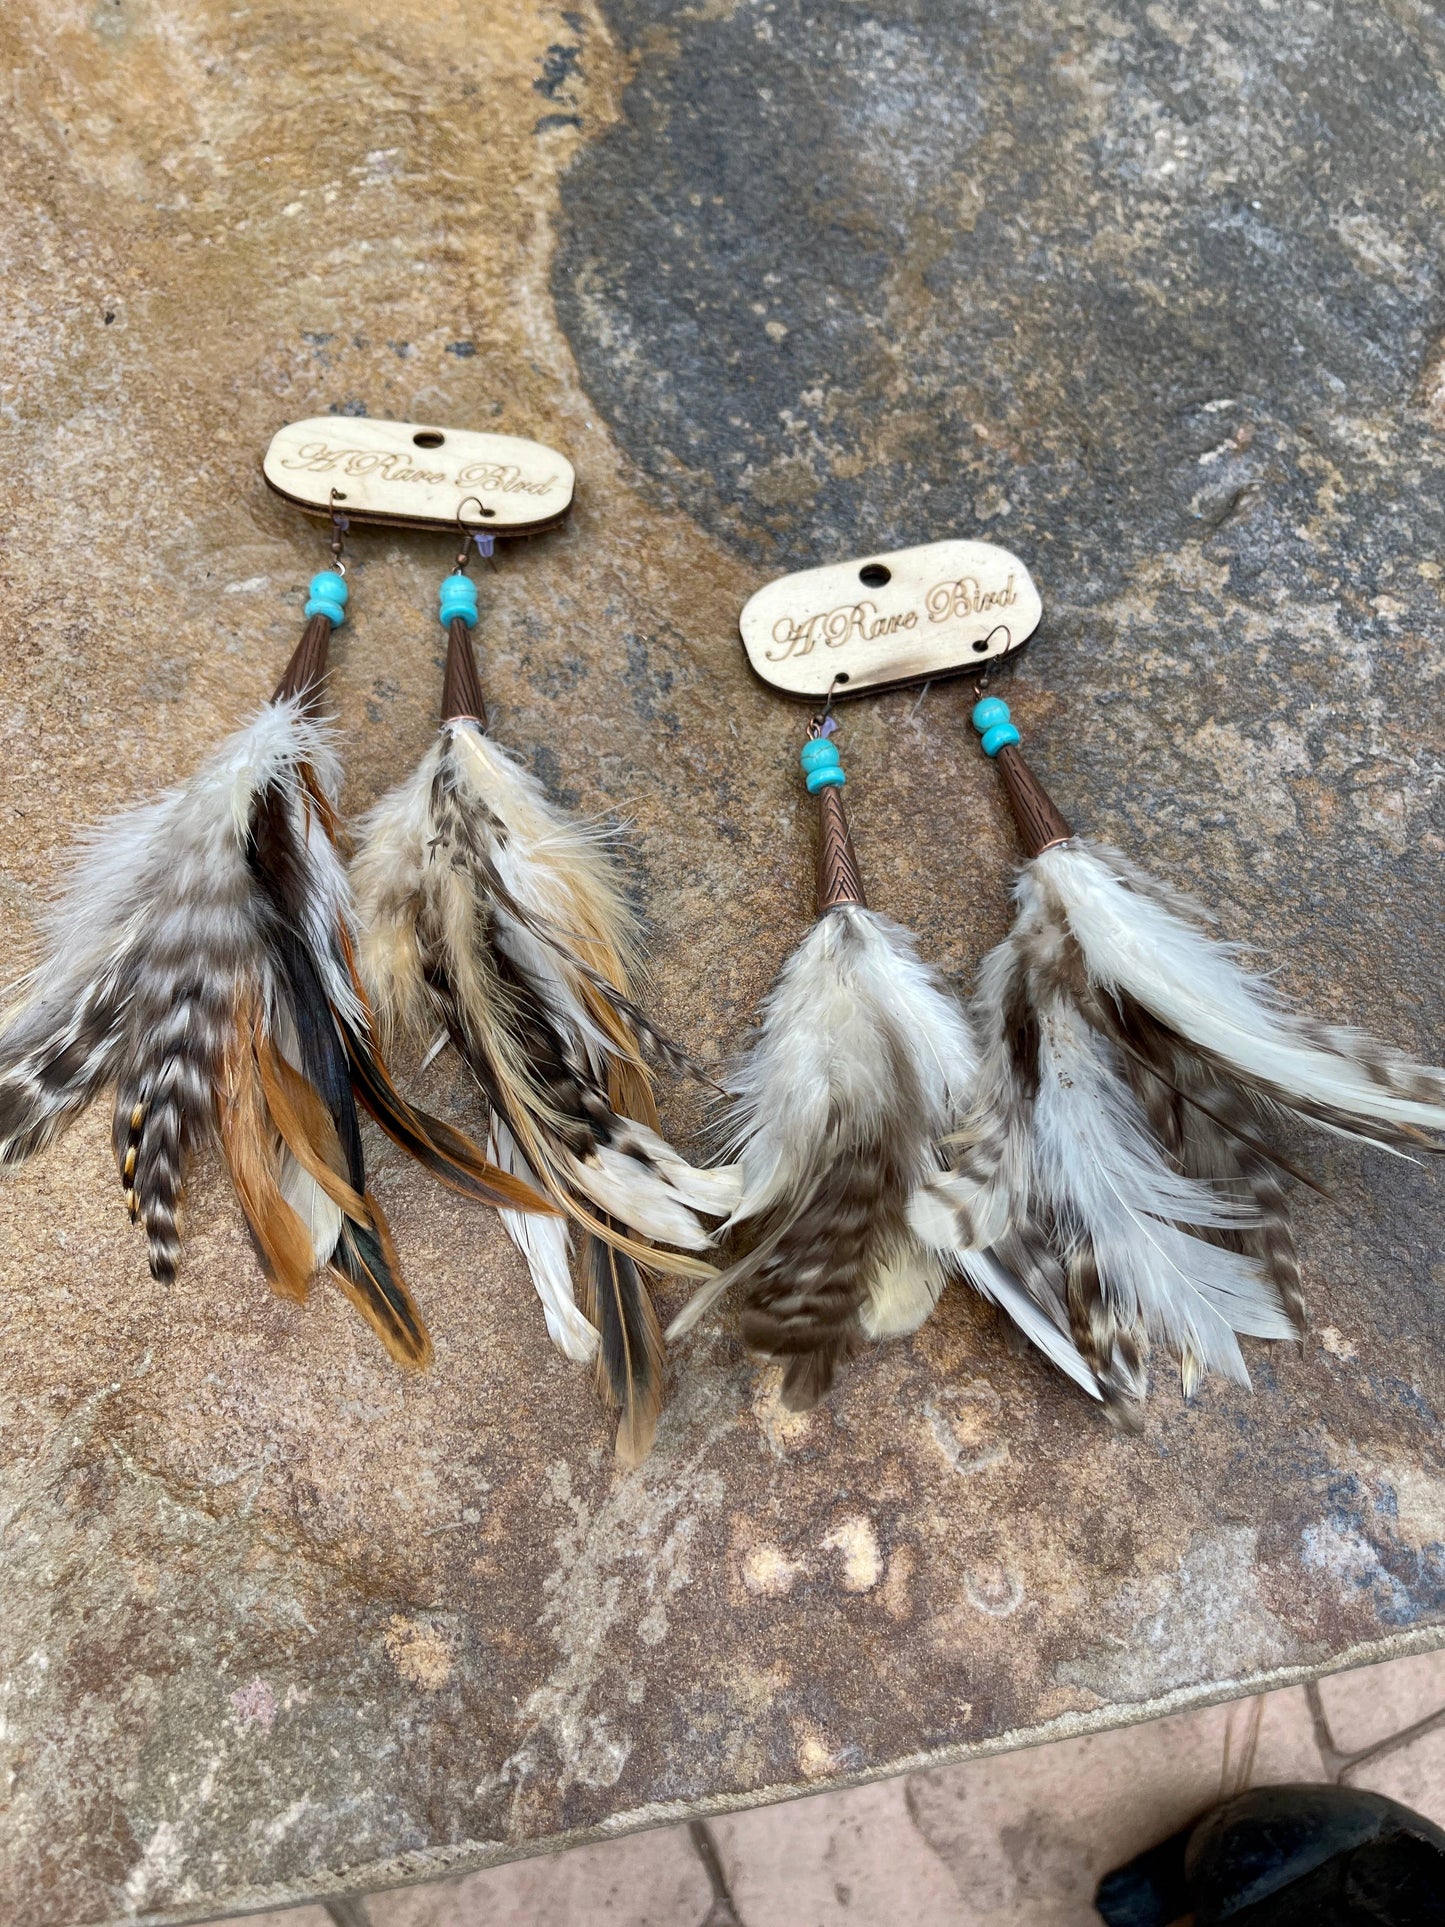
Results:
x,y
883,620
410,475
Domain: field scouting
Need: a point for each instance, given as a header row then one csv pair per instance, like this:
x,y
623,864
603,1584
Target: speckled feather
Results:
x,y
488,914
1131,1068
862,1062
199,962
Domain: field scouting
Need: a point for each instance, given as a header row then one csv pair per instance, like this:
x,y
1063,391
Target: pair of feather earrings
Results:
x,y
212,962
1089,1144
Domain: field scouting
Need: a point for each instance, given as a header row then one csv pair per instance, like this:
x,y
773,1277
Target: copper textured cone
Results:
x,y
461,686
839,879
307,667
1039,821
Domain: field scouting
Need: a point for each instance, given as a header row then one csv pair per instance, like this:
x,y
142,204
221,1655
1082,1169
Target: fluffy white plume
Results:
x,y
1142,942
862,1062
1129,1068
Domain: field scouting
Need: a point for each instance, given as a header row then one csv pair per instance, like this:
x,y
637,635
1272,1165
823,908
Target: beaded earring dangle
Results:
x,y
1112,1101
200,963
862,1065
1132,1072
493,920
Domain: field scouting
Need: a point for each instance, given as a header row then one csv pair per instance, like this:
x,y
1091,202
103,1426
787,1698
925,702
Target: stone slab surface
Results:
x,y
1151,296
1020,1840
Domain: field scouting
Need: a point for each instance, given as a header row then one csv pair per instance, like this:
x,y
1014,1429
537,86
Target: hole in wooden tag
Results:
x,y
924,613
414,476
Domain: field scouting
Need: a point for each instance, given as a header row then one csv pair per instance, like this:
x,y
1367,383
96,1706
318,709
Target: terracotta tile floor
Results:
x,y
1016,1841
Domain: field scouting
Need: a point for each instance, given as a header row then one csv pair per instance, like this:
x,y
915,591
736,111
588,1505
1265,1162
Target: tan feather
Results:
x,y
307,1129
253,1146
631,1358
488,914
367,1269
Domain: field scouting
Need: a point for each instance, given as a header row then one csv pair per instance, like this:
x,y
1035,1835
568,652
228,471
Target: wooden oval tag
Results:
x,y
874,623
410,476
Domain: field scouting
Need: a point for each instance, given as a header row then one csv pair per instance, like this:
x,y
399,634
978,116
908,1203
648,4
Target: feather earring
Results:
x,y
492,919
1132,1068
862,1063
200,963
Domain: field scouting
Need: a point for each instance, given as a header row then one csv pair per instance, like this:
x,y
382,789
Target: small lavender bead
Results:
x,y
829,777
989,712
999,737
819,754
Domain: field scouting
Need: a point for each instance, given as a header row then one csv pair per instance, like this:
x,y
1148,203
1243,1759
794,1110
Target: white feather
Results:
x,y
853,988
543,1242
1135,941
632,1193
986,1275
1100,1174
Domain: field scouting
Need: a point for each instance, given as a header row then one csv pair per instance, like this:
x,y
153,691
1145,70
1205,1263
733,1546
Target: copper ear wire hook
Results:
x,y
824,724
986,669
470,535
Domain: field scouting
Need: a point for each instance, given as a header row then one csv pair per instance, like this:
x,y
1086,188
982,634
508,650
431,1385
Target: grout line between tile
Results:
x,y
1395,1741
347,1911
723,1911
1331,1758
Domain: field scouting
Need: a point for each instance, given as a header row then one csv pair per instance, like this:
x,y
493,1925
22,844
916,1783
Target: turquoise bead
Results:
x,y
457,597
999,737
988,713
330,586
819,754
326,605
829,777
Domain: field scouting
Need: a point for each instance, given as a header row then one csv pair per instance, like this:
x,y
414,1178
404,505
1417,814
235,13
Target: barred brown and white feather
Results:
x,y
1138,940
862,1063
489,914
200,965
1135,1121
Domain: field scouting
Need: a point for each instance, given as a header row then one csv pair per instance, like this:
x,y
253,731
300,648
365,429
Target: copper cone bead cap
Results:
x,y
839,880
461,686
325,611
1040,823
306,670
